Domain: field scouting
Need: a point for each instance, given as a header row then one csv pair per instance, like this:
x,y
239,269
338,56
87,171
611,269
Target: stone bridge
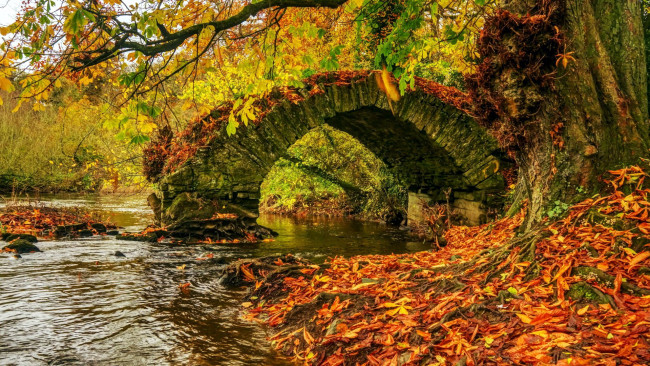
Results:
x,y
428,145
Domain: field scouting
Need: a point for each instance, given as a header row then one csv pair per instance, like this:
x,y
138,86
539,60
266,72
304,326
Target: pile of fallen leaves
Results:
x,y
165,154
42,221
574,292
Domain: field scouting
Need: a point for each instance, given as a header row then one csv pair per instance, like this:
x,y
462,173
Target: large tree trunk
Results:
x,y
565,126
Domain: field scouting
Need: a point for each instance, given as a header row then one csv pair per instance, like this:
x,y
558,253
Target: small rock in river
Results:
x,y
113,232
17,256
22,246
12,237
119,254
101,228
85,233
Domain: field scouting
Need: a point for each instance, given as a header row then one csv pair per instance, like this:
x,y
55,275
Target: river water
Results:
x,y
77,304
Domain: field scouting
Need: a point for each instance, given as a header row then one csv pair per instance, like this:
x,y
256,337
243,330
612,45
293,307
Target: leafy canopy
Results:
x,y
205,53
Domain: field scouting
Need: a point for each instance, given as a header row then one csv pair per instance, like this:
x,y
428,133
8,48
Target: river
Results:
x,y
77,304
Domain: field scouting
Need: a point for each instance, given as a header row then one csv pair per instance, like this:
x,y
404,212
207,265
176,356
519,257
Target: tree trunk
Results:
x,y
565,126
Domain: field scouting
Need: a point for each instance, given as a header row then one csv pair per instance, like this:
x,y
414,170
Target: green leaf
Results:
x,y
139,139
75,21
231,128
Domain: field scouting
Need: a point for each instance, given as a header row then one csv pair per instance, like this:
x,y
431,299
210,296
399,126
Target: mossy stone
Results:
x,y
582,291
28,237
22,246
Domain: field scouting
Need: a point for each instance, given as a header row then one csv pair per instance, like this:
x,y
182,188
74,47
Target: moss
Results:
x,y
186,207
12,237
21,246
608,280
582,291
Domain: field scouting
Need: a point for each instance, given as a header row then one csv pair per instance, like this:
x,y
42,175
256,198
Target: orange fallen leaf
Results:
x,y
637,259
524,318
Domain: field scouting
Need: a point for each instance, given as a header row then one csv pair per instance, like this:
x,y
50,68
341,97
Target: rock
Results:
x,y
185,207
233,275
22,246
17,256
119,254
29,238
113,232
85,233
99,227
156,206
218,229
67,230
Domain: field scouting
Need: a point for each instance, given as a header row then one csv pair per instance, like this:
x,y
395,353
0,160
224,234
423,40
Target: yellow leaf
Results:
x,y
5,84
629,251
148,127
488,341
391,91
582,311
322,278
541,333
524,318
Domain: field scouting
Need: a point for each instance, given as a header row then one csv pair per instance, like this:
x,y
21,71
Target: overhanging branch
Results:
x,y
171,41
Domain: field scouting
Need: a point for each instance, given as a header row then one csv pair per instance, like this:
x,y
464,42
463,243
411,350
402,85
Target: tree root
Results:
x,y
608,280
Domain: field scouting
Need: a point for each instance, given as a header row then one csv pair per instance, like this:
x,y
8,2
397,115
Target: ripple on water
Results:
x,y
77,304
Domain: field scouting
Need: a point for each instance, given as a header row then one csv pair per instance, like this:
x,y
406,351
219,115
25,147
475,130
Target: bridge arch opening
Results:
x,y
328,172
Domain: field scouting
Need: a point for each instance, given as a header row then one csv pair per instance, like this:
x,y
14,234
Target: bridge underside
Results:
x,y
429,146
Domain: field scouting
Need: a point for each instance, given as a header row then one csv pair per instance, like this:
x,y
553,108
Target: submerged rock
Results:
x,y
21,246
119,254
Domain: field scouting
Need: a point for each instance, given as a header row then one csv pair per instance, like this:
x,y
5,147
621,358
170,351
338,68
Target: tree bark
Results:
x,y
565,126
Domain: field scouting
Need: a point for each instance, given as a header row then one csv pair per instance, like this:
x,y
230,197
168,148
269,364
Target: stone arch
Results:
x,y
428,144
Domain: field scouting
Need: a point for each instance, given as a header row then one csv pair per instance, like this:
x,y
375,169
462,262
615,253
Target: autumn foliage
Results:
x,y
572,292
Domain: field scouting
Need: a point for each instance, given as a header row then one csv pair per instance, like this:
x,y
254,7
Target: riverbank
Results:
x,y
48,222
574,291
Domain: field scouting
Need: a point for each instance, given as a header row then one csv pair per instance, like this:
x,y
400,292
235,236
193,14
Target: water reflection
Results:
x,y
127,210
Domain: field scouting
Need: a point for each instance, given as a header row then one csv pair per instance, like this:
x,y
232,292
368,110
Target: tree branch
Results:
x,y
171,41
